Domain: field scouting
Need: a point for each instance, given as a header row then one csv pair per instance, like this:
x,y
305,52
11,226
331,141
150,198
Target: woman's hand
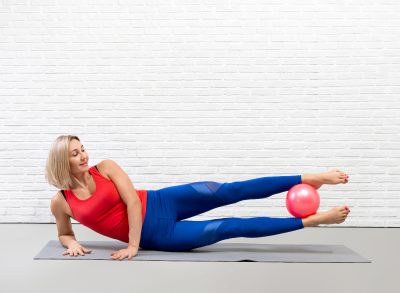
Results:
x,y
76,249
128,252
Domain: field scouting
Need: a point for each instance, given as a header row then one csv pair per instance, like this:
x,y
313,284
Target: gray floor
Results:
x,y
20,273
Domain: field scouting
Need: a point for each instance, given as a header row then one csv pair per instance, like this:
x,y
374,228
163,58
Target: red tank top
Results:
x,y
104,211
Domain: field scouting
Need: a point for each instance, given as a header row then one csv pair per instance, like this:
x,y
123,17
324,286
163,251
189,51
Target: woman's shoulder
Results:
x,y
108,168
103,168
59,203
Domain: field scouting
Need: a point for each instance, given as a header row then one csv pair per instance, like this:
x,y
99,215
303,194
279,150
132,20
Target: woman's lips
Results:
x,y
84,164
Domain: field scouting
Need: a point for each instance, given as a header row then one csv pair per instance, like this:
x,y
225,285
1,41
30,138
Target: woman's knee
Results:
x,y
227,229
206,187
230,192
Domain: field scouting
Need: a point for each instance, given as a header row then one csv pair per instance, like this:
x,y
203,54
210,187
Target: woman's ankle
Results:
x,y
309,222
308,178
312,179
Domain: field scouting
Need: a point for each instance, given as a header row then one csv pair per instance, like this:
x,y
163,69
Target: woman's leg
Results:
x,y
188,200
187,235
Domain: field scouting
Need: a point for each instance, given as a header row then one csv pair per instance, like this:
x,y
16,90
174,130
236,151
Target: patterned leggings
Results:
x,y
164,227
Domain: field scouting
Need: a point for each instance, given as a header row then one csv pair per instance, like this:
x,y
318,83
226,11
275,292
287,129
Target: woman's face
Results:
x,y
78,158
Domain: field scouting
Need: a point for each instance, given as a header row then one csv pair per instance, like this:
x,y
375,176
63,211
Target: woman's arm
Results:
x,y
66,235
135,221
129,196
63,221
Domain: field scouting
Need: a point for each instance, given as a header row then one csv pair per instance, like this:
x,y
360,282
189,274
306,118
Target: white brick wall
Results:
x,y
183,91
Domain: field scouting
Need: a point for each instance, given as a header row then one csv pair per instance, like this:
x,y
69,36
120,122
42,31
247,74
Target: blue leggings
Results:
x,y
165,229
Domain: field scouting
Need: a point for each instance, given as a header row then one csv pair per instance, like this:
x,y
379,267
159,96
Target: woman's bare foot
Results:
x,y
335,215
334,176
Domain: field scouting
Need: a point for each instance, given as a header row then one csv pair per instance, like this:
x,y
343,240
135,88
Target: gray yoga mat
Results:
x,y
305,253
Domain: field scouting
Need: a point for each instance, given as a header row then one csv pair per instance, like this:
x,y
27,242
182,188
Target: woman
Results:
x,y
103,198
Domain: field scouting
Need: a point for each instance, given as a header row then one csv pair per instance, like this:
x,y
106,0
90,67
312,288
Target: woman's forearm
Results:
x,y
135,222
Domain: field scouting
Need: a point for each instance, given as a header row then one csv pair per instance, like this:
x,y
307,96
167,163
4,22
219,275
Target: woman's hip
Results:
x,y
159,219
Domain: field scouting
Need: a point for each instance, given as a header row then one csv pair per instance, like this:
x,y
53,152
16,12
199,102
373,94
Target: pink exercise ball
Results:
x,y
302,200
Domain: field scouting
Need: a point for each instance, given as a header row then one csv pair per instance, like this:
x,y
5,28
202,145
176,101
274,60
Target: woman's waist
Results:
x,y
142,194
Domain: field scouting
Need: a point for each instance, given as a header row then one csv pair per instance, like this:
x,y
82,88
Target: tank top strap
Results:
x,y
95,171
63,193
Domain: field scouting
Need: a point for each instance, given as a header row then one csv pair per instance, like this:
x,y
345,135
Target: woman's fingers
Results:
x,y
76,252
86,250
67,252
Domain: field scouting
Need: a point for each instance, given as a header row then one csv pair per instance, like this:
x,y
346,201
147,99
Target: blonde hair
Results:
x,y
57,172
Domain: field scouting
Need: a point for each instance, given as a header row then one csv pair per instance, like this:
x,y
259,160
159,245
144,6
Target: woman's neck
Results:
x,y
81,180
